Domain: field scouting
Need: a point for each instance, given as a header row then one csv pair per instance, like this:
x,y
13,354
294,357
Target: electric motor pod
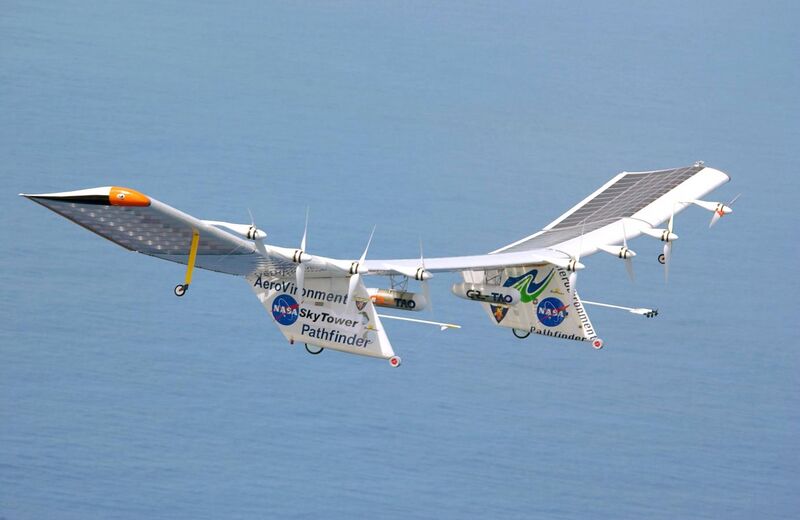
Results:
x,y
494,294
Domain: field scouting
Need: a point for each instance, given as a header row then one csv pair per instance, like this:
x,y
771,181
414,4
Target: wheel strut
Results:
x,y
181,289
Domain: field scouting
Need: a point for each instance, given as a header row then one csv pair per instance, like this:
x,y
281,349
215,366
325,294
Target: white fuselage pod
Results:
x,y
400,300
494,294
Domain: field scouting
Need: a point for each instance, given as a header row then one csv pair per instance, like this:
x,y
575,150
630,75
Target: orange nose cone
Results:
x,y
127,197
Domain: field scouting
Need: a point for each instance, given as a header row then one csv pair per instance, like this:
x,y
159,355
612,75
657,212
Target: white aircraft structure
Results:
x,y
528,286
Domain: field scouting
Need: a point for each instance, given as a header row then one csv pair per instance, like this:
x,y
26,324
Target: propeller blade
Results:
x,y
426,291
351,289
629,260
355,278
573,275
300,278
259,243
629,269
719,212
305,232
624,236
668,244
364,254
671,219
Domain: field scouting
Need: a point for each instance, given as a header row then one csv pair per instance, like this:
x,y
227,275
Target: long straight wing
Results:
x,y
312,301
623,208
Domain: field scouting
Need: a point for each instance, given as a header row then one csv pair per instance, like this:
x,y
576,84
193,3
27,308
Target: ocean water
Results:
x,y
467,125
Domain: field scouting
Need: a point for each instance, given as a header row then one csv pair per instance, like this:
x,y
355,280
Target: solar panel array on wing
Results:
x,y
628,195
139,229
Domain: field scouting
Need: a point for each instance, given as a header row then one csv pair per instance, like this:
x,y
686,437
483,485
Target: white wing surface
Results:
x,y
625,207
145,225
642,200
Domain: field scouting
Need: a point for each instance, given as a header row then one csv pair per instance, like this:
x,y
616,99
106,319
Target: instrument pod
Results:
x,y
401,300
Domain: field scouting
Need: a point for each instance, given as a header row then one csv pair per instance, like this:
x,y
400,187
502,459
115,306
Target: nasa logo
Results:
x,y
285,309
551,312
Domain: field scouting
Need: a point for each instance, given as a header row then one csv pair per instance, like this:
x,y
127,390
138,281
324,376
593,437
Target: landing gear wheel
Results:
x,y
310,349
521,333
662,259
180,290
597,343
395,361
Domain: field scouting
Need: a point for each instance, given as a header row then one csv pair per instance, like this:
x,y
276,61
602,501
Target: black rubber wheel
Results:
x,y
662,259
180,290
314,352
521,334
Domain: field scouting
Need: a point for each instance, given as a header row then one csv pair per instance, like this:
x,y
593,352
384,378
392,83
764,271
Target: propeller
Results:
x,y
295,256
721,210
256,235
300,270
667,238
574,264
356,270
623,252
627,254
423,275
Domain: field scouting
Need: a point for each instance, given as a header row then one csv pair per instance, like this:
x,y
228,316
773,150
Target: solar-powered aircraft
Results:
x,y
528,286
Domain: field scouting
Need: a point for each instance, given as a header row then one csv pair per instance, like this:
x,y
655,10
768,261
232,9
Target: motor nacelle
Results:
x,y
248,231
400,300
494,294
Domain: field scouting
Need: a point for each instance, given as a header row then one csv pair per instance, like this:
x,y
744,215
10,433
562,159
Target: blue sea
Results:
x,y
465,125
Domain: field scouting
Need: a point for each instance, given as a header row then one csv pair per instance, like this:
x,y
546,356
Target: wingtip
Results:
x,y
105,195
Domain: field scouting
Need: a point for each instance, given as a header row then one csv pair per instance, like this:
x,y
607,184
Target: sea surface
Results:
x,y
465,125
